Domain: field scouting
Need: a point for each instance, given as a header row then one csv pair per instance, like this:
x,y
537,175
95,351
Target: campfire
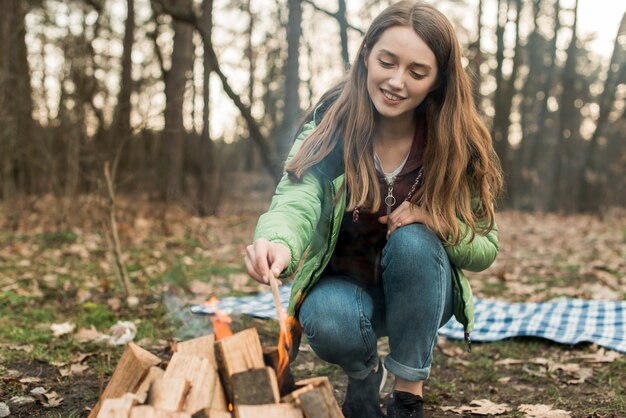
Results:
x,y
222,375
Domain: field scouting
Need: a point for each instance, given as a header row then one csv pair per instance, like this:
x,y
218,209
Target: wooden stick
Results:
x,y
279,310
117,252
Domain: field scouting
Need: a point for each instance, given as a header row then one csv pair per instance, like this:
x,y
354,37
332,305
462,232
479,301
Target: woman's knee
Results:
x,y
413,242
336,325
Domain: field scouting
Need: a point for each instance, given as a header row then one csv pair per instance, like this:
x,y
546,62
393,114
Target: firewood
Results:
x,y
117,407
154,373
255,387
286,382
206,388
315,398
148,411
168,394
200,347
237,353
281,410
131,369
211,413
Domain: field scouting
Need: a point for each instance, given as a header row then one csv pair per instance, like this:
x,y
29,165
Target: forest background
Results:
x,y
178,94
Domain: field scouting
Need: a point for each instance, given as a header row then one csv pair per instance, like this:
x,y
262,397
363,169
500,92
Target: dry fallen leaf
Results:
x,y
114,303
52,400
21,400
62,329
18,347
479,407
4,410
87,334
122,333
543,411
601,356
74,369
581,376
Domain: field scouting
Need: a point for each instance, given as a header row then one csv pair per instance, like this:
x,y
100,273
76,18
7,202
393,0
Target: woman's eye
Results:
x,y
385,64
417,76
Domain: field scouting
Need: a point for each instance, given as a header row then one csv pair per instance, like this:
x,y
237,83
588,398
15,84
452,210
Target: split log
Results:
x,y
154,373
255,387
199,347
286,382
206,389
237,353
211,413
117,407
169,394
148,411
282,410
130,371
315,397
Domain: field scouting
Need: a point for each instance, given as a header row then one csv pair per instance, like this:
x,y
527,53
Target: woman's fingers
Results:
x,y
262,255
256,255
403,215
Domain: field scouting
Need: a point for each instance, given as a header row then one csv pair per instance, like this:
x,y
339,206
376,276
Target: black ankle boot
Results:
x,y
405,405
362,398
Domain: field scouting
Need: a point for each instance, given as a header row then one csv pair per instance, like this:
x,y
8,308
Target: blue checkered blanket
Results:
x,y
566,321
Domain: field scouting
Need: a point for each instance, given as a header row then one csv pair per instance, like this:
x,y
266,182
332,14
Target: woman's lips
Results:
x,y
391,98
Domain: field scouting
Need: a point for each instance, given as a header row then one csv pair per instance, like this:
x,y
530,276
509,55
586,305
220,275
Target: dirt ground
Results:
x,y
54,273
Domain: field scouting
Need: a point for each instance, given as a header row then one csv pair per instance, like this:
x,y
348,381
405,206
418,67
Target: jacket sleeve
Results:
x,y
476,255
294,211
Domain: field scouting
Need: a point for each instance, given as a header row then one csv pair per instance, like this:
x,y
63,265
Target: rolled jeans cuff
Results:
x,y
405,372
362,374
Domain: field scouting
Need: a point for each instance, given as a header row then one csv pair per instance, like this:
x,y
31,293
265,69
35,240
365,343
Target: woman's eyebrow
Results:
x,y
414,64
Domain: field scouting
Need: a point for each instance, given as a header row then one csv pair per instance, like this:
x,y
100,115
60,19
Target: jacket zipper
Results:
x,y
468,340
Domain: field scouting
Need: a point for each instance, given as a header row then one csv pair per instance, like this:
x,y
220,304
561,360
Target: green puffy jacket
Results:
x,y
303,216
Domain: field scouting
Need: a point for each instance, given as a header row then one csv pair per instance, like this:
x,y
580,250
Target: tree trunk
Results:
x,y
208,179
120,128
291,109
591,179
15,99
174,132
543,140
476,57
568,128
343,33
250,55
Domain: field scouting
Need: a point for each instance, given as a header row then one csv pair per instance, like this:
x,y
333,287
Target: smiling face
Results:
x,y
401,71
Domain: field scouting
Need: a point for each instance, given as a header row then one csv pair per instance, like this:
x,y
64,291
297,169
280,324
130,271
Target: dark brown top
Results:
x,y
360,244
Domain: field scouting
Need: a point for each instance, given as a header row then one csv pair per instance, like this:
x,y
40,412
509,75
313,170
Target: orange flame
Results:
x,y
219,320
284,345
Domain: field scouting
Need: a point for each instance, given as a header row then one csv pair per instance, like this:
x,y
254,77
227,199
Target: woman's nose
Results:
x,y
396,81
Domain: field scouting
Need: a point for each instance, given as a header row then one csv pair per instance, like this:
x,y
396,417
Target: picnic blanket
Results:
x,y
566,321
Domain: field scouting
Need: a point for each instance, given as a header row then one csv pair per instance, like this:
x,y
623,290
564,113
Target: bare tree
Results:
x,y
120,127
173,138
569,125
505,89
15,98
291,108
592,178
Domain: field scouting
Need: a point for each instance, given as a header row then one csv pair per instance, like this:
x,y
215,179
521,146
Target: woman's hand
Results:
x,y
405,214
262,256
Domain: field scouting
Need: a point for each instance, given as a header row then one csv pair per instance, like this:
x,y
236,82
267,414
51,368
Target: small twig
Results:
x,y
101,376
117,252
279,310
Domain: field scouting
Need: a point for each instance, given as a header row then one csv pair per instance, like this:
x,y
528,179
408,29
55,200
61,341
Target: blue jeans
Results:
x,y
343,318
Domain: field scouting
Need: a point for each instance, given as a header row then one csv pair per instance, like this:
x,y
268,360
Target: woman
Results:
x,y
389,190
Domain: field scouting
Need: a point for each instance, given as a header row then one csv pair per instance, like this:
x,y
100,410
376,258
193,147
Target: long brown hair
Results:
x,y
459,160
